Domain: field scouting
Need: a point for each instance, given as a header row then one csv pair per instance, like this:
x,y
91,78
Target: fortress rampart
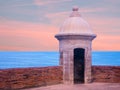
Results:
x,y
11,79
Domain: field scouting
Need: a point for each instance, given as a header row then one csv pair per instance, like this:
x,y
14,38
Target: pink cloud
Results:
x,y
57,18
88,10
44,2
106,42
14,48
81,10
107,30
105,25
16,35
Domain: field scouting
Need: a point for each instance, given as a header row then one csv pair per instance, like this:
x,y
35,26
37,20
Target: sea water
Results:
x,y
43,59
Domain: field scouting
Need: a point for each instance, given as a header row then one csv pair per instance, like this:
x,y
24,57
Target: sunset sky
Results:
x,y
30,25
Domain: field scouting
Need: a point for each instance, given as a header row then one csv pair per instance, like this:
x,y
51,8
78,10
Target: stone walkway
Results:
x,y
92,86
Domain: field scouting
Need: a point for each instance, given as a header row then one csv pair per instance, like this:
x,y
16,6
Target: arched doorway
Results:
x,y
79,59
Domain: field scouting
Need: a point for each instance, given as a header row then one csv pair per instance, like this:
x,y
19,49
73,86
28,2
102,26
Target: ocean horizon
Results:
x,y
23,59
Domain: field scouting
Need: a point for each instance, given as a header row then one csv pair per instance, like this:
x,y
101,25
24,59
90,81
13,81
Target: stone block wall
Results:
x,y
110,74
11,79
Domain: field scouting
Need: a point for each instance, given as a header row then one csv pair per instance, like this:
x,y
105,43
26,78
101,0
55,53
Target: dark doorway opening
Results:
x,y
79,56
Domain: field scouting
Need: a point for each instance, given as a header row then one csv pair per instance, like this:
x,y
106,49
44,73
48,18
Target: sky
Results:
x,y
30,25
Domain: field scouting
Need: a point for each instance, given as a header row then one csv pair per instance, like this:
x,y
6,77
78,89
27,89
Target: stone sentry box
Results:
x,y
75,40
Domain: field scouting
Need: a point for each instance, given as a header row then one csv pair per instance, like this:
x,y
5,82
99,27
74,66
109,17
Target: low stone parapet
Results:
x,y
110,74
18,78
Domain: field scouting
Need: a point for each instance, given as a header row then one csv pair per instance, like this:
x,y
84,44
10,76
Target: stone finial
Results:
x,y
75,8
75,12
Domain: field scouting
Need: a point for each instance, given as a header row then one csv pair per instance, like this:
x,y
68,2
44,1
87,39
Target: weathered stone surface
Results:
x,y
110,74
67,45
29,77
11,79
75,33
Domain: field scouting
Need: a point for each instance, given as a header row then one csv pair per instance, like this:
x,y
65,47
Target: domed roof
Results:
x,y
75,24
